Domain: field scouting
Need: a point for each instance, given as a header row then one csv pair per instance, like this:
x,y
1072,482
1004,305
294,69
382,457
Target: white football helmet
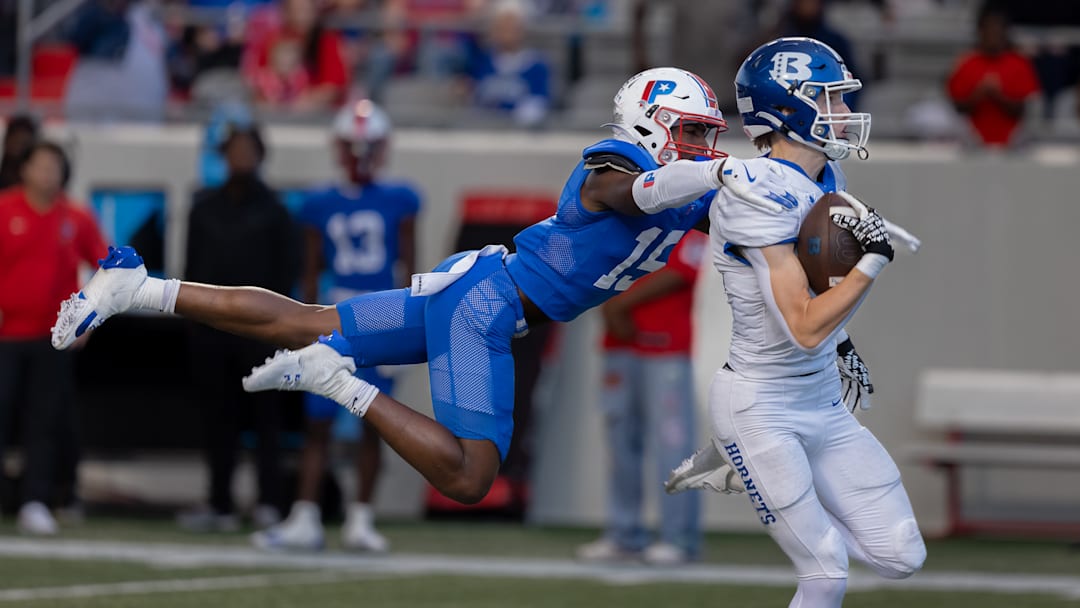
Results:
x,y
361,122
653,106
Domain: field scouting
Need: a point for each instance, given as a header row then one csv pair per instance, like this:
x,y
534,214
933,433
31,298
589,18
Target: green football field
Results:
x,y
123,562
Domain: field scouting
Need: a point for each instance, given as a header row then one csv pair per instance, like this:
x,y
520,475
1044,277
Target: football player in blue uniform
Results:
x,y
363,232
624,206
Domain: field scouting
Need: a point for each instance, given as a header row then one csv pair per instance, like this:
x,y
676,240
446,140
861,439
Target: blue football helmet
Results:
x,y
793,86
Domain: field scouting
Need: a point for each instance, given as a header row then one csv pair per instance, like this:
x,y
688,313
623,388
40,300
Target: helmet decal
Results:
x,y
791,66
706,90
656,88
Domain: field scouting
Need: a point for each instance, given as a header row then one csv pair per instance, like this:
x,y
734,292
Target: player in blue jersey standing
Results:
x,y
363,232
626,203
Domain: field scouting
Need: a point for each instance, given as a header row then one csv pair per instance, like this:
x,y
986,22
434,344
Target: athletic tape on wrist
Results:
x,y
169,295
871,264
362,398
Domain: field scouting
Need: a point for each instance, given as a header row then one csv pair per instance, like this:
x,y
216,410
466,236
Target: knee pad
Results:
x,y
909,550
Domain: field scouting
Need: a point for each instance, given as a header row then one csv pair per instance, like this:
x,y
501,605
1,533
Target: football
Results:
x,y
827,251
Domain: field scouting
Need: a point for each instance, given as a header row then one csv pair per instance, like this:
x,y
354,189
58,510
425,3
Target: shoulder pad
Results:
x,y
611,161
633,153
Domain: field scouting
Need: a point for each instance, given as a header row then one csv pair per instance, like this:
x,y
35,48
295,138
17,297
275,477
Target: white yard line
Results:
x,y
171,586
338,564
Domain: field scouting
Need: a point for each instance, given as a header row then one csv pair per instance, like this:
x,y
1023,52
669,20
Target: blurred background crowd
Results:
x,y
533,63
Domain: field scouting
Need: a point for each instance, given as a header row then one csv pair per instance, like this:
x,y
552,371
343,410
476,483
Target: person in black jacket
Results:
x,y
238,234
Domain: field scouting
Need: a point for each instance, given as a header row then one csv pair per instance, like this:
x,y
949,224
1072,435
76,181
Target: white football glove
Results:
x,y
855,384
748,184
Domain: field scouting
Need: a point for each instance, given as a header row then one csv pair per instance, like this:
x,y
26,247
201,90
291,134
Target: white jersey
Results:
x,y
761,344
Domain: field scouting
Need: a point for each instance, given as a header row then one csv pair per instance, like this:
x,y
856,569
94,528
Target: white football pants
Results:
x,y
821,483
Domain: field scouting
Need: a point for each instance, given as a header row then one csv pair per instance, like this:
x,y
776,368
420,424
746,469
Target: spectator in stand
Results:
x,y
648,402
713,38
428,37
991,84
238,234
43,239
20,134
505,75
202,49
806,18
293,61
121,73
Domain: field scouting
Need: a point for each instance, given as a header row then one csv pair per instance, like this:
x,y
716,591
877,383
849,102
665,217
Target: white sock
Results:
x,y
158,294
359,514
351,392
305,510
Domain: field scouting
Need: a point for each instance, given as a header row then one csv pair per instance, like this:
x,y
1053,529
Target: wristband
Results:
x,y
871,264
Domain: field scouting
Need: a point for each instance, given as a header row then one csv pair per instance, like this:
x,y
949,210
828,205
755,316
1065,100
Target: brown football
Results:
x,y
827,251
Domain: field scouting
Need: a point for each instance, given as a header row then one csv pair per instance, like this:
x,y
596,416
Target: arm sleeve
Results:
x,y
675,184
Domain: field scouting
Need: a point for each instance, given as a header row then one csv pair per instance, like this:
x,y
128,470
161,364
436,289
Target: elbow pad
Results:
x,y
676,184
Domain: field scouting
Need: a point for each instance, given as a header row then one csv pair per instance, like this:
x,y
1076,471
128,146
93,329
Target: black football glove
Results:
x,y
855,384
866,225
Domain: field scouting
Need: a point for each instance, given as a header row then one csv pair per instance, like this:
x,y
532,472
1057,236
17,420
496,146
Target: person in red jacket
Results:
x,y
44,238
648,400
293,61
991,83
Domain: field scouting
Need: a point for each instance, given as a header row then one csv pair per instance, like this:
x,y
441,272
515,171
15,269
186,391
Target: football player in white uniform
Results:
x,y
821,484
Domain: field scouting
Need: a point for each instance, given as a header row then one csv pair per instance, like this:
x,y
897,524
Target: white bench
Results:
x,y
996,418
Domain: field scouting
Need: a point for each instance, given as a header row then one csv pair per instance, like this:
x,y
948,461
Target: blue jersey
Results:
x,y
577,259
360,231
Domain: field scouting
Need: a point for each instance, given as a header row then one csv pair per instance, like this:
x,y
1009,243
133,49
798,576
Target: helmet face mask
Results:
x,y
795,86
656,108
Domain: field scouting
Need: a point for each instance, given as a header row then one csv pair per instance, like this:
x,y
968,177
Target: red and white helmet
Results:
x,y
362,131
361,121
654,105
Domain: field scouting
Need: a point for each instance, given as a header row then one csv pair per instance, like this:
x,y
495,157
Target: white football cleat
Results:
x,y
301,531
664,554
111,290
35,518
312,369
705,469
359,534
605,550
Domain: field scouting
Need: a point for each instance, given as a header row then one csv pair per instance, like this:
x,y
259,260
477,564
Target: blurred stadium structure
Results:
x,y
993,289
